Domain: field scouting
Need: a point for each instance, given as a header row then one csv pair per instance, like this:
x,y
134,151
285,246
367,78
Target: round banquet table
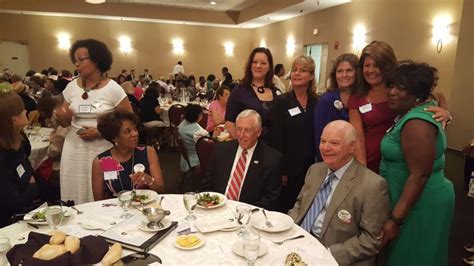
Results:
x,y
217,249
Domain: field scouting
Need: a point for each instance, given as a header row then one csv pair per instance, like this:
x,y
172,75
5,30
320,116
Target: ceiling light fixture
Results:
x,y
95,2
212,2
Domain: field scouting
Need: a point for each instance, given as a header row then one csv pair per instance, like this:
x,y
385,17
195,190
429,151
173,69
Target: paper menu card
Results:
x,y
216,222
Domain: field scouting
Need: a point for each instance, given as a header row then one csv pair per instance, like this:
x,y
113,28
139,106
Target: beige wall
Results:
x,y
407,27
151,42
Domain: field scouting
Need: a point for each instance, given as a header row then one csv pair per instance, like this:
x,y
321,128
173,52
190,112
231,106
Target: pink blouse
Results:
x,y
214,107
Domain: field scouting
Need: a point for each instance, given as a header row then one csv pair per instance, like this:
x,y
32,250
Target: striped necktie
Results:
x,y
318,203
237,177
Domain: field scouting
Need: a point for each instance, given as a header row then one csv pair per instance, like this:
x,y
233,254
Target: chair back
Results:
x,y
205,114
204,148
176,113
182,149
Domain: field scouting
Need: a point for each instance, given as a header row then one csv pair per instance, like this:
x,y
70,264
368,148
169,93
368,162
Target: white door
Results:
x,y
14,56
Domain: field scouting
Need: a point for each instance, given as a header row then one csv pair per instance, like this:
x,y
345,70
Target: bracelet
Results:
x,y
450,118
396,221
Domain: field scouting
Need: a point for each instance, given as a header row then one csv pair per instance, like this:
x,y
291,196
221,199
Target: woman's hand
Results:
x,y
88,133
389,232
141,179
440,114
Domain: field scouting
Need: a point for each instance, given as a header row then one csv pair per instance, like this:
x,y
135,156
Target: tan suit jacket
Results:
x,y
363,194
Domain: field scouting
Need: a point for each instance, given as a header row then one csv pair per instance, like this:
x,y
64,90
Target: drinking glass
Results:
x,y
242,215
190,202
54,216
251,247
125,198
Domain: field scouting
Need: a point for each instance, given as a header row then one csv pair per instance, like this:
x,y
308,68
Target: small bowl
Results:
x,y
154,215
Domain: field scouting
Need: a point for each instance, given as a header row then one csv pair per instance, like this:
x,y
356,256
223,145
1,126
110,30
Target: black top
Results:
x,y
147,109
293,135
30,103
228,81
124,169
16,193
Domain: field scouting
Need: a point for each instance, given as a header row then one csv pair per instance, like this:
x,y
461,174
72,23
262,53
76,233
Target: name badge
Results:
x,y
365,108
344,216
20,170
294,111
110,175
278,92
85,108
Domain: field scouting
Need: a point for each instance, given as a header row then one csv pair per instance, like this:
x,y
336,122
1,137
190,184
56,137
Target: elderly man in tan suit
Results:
x,y
343,203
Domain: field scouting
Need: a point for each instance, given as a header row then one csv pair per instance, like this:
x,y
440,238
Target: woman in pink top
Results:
x,y
217,108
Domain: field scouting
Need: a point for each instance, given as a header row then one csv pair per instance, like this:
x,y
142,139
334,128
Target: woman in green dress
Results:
x,y
413,163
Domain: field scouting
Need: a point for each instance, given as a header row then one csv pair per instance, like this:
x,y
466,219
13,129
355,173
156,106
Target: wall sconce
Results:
x,y
263,43
64,41
229,49
441,31
290,46
125,45
359,38
178,47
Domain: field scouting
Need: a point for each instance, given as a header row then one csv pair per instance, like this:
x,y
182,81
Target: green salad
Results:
x,y
39,215
208,200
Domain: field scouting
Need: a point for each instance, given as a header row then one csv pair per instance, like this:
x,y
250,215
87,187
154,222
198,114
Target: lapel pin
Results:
x,y
255,162
344,216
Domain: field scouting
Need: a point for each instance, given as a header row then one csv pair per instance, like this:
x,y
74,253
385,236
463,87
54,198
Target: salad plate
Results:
x,y
144,196
210,200
38,216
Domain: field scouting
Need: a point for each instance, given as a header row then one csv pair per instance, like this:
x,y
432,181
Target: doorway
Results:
x,y
319,53
14,56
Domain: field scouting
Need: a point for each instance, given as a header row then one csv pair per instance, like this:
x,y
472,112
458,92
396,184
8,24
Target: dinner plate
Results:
x,y
193,247
280,221
238,248
152,195
29,216
165,222
222,197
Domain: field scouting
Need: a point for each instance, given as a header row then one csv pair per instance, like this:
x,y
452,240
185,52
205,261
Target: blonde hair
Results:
x,y
10,105
307,62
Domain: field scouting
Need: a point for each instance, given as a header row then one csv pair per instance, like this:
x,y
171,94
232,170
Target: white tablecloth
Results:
x,y
218,245
39,145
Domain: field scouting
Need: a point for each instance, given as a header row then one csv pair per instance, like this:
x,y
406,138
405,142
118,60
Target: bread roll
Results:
x,y
49,252
57,238
113,255
72,244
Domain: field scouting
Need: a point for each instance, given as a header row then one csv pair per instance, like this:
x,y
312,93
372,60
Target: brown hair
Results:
x,y
307,62
109,124
248,77
352,59
220,91
10,105
384,58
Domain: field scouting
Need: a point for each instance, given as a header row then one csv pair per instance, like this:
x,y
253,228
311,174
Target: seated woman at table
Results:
x,y
190,131
217,108
150,109
113,170
18,189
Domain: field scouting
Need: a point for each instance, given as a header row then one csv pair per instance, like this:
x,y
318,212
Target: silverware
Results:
x,y
161,199
78,211
267,222
33,225
279,242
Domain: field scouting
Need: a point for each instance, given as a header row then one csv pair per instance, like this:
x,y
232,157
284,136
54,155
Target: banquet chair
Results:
x,y
175,113
205,114
204,148
194,173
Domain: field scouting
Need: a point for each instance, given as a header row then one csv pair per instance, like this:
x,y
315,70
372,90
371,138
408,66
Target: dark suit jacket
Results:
x,y
364,195
262,184
293,135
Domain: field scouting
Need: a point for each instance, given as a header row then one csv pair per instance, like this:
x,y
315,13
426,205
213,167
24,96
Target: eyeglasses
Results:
x,y
80,60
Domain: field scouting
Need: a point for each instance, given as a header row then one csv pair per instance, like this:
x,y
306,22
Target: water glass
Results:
x,y
251,247
190,202
242,215
125,198
54,216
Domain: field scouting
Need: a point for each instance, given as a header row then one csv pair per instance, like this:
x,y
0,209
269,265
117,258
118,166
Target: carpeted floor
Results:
x,y
462,231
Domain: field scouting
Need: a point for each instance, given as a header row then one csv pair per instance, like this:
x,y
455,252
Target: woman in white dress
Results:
x,y
86,98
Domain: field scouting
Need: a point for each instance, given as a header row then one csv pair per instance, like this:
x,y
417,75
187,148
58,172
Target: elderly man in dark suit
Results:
x,y
343,203
245,169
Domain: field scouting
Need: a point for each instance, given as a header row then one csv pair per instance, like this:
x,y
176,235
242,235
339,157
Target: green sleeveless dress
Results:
x,y
423,238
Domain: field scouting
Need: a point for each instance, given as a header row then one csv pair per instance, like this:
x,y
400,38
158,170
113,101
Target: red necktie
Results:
x,y
237,177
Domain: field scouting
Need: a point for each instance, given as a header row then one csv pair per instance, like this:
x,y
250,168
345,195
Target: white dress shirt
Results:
x,y
318,224
236,160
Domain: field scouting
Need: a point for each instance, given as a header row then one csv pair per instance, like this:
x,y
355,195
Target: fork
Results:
x,y
267,222
78,211
279,242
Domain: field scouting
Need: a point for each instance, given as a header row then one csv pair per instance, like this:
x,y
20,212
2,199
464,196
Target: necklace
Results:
x,y
85,95
260,89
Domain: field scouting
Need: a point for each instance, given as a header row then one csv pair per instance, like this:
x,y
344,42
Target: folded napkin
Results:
x,y
92,251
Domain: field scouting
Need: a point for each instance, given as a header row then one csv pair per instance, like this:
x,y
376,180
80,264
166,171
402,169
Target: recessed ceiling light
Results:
x,y
212,2
95,1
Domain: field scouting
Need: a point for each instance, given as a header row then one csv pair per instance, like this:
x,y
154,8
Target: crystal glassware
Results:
x,y
54,216
242,215
190,202
125,198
